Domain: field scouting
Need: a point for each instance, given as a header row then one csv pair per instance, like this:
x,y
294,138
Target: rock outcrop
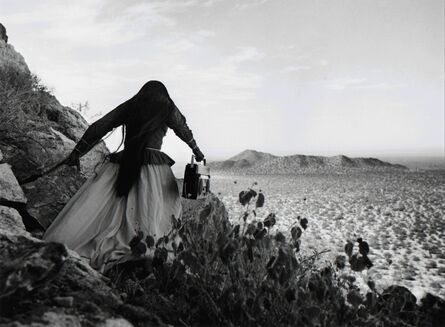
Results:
x,y
36,133
47,284
8,55
10,190
11,222
12,197
3,35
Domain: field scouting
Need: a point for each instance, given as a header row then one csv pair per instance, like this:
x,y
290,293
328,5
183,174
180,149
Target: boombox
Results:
x,y
196,180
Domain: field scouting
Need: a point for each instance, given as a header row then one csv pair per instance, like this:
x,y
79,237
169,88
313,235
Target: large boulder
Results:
x,y
10,57
11,222
10,190
36,133
46,280
12,196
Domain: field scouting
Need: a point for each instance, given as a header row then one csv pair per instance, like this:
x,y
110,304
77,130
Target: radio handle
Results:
x,y
204,161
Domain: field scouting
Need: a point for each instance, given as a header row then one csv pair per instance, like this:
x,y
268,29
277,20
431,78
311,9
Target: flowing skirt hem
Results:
x,y
99,225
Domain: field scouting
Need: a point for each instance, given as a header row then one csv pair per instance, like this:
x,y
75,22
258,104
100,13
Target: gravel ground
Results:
x,y
400,215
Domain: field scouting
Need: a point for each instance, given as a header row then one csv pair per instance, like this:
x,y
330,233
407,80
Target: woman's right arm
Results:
x,y
178,123
97,130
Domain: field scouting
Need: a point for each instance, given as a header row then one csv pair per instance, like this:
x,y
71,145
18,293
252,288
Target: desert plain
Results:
x,y
400,214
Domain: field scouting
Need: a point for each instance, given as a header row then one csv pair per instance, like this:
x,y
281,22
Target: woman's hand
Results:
x,y
73,160
198,154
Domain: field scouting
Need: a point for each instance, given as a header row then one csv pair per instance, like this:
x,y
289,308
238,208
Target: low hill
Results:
x,y
244,160
254,162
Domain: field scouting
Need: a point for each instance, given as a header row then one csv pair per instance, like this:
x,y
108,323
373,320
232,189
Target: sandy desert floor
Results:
x,y
400,215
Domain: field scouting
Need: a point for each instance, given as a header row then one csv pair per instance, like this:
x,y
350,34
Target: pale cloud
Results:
x,y
215,85
162,7
246,4
205,33
382,85
76,24
243,54
91,23
295,68
339,84
179,46
343,83
221,62
182,42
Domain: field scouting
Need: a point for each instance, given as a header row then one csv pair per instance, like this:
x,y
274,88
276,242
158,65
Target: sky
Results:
x,y
353,77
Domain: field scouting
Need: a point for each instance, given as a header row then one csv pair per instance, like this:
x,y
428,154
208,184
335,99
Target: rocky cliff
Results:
x,y
36,133
3,35
254,162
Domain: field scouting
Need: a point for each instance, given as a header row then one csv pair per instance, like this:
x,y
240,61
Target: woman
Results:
x,y
134,190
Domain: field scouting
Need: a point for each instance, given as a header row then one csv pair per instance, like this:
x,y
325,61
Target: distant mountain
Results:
x,y
244,160
254,162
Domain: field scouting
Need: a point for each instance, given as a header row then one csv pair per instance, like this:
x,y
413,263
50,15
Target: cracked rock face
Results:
x,y
39,279
11,222
10,190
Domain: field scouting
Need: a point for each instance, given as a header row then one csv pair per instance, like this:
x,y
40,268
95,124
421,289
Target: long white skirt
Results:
x,y
99,225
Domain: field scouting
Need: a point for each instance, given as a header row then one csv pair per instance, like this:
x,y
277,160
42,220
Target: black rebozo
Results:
x,y
196,180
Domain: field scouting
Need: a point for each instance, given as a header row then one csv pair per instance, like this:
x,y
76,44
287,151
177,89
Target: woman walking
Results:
x,y
135,190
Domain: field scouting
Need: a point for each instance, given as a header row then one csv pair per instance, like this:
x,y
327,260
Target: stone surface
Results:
x,y
3,35
10,190
51,319
10,57
39,279
11,222
64,301
115,323
208,210
27,264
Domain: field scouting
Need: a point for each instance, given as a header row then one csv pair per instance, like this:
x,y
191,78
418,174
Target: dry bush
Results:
x,y
21,97
20,91
244,275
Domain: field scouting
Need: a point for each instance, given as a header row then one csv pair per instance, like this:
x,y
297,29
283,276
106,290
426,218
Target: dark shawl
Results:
x,y
145,112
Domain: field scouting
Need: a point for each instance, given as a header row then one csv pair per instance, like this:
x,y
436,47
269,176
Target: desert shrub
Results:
x,y
209,272
231,275
22,95
24,101
20,90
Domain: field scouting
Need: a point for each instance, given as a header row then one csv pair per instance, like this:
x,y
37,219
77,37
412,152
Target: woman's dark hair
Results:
x,y
146,111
